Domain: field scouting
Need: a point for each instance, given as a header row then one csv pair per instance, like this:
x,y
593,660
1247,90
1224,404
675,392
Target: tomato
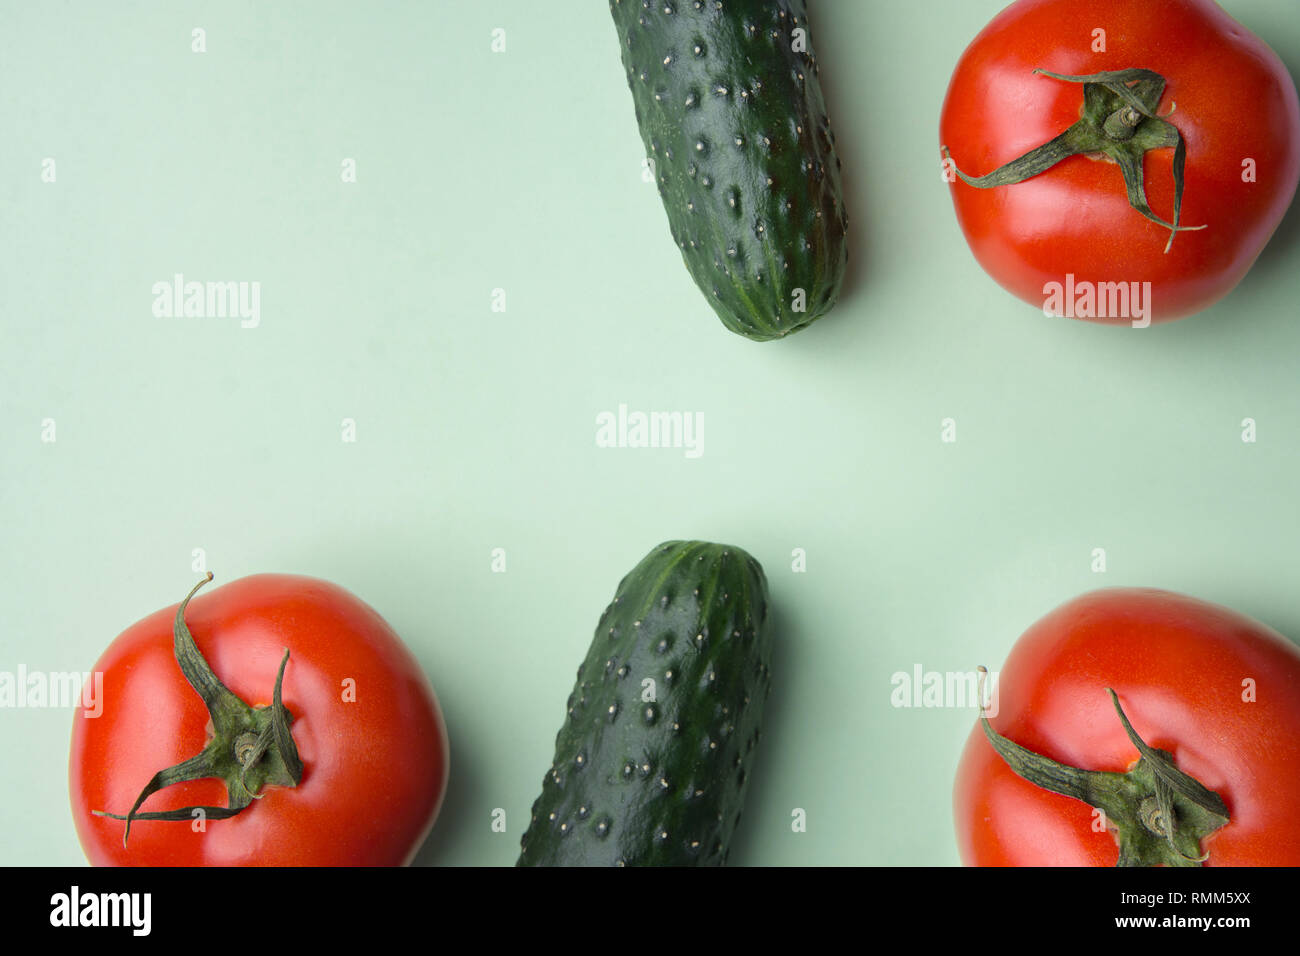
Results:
x,y
362,718
1066,239
1219,692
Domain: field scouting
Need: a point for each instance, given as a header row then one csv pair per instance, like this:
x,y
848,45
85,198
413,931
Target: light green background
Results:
x,y
475,429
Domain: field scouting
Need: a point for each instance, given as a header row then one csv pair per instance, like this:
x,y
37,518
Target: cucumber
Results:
x,y
652,763
730,107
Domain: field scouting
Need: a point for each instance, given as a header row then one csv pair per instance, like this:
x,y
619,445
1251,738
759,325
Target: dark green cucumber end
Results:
x,y
638,781
731,113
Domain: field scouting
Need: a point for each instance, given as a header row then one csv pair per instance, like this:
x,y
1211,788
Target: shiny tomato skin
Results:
x,y
375,768
1178,665
1232,100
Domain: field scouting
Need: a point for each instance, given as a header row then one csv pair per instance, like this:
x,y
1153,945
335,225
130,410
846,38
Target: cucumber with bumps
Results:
x,y
652,763
731,112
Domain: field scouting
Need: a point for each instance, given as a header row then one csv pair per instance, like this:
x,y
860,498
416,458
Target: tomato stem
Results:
x,y
1118,120
250,748
1158,813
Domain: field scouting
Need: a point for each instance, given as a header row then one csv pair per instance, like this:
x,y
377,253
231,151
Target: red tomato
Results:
x,y
1070,229
374,767
1185,672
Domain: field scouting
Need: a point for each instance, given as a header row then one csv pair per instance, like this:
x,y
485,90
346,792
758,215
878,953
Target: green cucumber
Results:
x,y
652,763
731,112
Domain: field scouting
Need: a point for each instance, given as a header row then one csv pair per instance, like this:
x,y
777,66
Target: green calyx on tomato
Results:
x,y
1117,120
251,747
1159,814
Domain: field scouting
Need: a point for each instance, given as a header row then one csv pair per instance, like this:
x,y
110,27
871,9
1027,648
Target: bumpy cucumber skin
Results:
x,y
637,783
743,154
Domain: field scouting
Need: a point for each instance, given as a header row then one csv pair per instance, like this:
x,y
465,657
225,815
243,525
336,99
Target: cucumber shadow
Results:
x,y
760,810
837,102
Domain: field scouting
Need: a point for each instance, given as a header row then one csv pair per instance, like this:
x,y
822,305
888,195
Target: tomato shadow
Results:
x,y
1277,615
458,806
1279,253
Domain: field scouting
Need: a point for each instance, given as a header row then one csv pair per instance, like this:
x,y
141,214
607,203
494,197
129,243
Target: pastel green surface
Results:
x,y
475,429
